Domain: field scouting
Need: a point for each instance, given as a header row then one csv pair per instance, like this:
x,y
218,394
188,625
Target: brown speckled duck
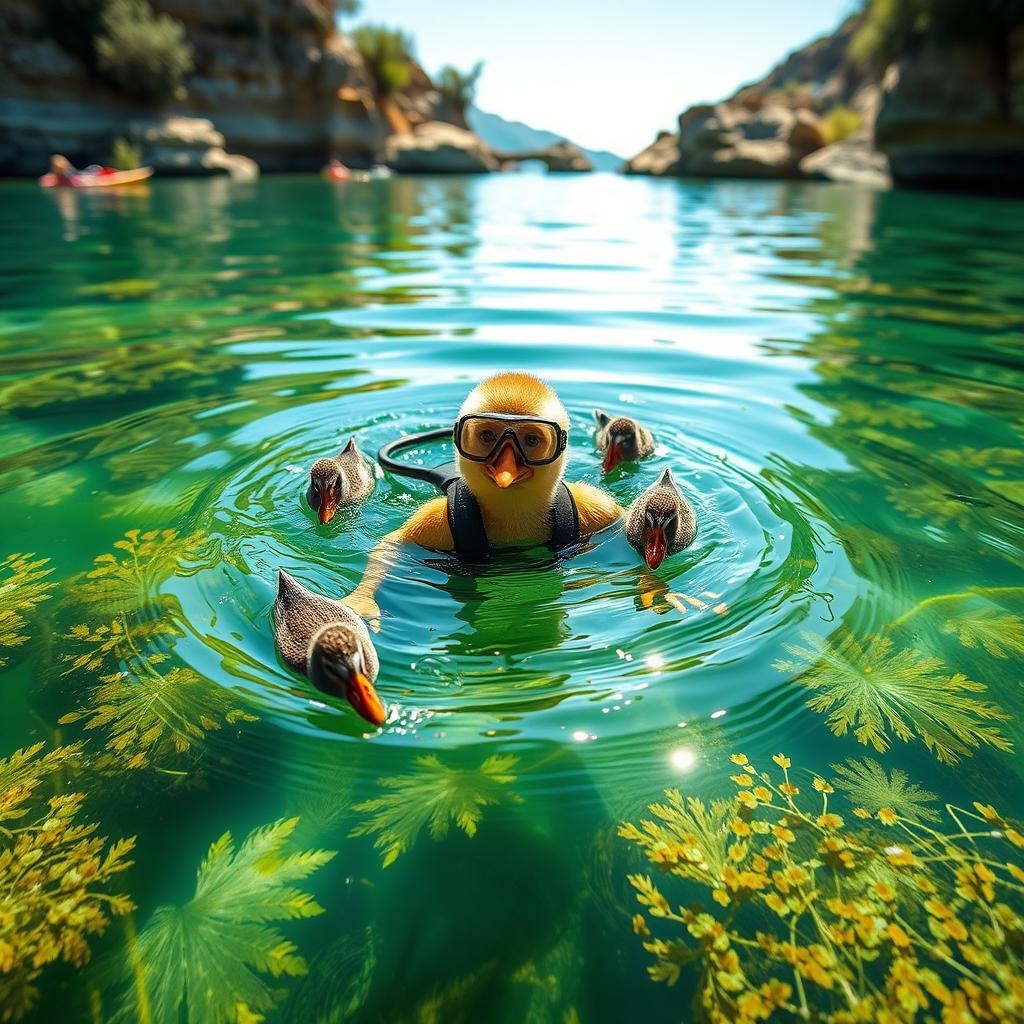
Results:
x,y
329,644
661,521
622,439
346,479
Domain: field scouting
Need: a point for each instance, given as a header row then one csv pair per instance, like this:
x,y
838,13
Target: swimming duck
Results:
x,y
344,480
511,447
622,439
661,521
328,643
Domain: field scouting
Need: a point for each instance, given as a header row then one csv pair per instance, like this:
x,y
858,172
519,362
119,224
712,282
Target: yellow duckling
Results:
x,y
510,438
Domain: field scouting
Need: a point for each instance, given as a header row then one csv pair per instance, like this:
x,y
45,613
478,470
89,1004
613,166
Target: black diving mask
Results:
x,y
478,436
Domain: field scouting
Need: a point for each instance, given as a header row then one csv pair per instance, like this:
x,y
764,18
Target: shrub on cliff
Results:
x,y
840,123
386,53
125,156
142,53
459,87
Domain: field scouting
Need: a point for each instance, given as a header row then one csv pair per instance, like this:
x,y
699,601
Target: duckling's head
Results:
x,y
336,666
522,458
327,482
622,438
660,525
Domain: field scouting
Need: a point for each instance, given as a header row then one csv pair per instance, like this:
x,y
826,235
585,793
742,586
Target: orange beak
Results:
x,y
328,506
655,547
612,457
507,468
363,697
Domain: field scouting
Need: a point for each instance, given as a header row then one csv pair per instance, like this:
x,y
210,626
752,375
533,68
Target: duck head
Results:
x,y
327,482
659,528
621,438
518,456
336,667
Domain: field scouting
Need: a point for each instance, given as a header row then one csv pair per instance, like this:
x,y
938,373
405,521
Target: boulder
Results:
x,y
854,160
949,119
660,158
189,145
736,140
439,148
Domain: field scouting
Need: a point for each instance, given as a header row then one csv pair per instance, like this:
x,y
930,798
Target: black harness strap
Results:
x,y
467,524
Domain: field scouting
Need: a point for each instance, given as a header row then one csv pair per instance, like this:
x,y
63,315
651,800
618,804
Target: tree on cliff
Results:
x,y
459,87
143,53
891,28
386,53
124,42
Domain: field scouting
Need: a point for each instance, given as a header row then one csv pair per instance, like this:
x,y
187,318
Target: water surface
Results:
x,y
833,374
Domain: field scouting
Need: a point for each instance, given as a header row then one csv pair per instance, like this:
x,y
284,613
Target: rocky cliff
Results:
x,y
279,82
949,115
768,128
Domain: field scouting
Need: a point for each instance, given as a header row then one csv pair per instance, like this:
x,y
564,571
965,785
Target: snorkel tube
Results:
x,y
442,477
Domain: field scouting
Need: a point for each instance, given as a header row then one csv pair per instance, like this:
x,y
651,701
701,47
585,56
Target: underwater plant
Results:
x,y
997,632
152,711
54,872
807,925
23,585
125,581
867,786
434,796
871,688
212,956
882,414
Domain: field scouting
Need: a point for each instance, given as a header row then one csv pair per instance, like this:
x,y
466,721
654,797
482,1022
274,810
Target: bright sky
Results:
x,y
608,76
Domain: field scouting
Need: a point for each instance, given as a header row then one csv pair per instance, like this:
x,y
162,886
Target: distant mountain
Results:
x,y
512,136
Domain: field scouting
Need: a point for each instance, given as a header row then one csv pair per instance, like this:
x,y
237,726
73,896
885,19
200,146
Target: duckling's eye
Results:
x,y
487,435
531,440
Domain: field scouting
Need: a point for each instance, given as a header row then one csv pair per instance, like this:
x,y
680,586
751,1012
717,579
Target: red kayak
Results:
x,y
106,178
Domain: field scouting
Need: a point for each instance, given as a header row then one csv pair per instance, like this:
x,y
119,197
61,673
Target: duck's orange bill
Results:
x,y
612,457
655,547
363,697
328,506
507,468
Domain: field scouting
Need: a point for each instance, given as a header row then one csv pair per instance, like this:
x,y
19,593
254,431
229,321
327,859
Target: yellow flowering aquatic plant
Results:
x,y
806,924
23,585
54,873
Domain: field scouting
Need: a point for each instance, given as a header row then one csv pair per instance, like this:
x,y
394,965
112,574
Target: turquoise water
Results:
x,y
835,377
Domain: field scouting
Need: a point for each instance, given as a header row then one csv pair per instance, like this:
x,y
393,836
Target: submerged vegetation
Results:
x,y
152,710
878,692
54,876
23,585
434,797
216,956
892,921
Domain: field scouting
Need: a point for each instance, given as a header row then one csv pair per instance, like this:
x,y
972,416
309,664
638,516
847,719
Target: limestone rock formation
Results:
x,y
731,140
437,148
768,128
954,118
660,158
854,160
564,157
189,145
275,77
